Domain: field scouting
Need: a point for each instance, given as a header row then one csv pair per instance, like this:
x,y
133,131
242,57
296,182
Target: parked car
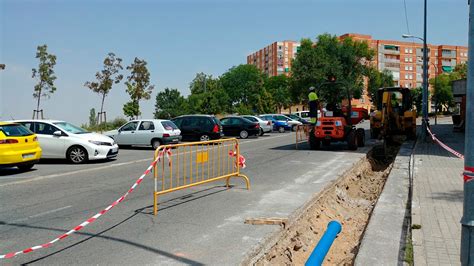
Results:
x,y
291,123
199,127
297,118
266,126
146,132
59,139
304,115
19,146
239,126
278,125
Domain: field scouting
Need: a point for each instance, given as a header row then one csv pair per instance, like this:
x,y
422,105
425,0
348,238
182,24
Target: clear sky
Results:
x,y
179,38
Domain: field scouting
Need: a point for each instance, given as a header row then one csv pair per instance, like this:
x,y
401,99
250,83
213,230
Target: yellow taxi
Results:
x,y
18,146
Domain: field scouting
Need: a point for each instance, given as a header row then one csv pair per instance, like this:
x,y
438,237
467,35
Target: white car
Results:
x,y
305,114
146,132
292,123
265,126
59,140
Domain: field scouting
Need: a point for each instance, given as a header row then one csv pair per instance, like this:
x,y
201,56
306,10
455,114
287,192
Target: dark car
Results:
x,y
199,127
239,126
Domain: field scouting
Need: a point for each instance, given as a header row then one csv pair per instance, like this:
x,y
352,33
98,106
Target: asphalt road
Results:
x,y
200,225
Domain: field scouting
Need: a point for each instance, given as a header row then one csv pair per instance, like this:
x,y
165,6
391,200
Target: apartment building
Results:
x,y
404,59
276,58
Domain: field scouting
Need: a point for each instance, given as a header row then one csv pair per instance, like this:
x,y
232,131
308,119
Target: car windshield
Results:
x,y
294,117
70,128
281,117
305,114
15,130
168,125
251,118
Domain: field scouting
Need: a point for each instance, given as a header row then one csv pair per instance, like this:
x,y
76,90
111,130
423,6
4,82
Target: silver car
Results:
x,y
146,132
265,126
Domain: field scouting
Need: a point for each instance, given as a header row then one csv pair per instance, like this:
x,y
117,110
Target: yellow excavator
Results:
x,y
394,114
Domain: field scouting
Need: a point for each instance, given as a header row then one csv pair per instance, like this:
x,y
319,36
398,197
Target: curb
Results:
x,y
383,242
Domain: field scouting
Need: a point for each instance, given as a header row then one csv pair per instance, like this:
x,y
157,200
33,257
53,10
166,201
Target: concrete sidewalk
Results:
x,y
438,199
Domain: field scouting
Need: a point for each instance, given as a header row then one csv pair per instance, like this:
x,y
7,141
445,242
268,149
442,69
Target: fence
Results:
x,y
302,133
196,163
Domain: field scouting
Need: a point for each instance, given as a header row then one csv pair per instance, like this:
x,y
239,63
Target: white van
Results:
x,y
305,114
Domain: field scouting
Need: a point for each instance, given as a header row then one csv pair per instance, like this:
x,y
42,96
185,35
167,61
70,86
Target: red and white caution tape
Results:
x,y
446,147
90,220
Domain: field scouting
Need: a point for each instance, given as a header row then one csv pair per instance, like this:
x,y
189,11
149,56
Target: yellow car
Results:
x,y
18,146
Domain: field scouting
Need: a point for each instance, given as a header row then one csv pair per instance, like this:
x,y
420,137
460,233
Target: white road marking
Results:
x,y
117,164
38,215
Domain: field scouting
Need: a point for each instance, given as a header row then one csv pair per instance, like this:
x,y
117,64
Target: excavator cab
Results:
x,y
394,114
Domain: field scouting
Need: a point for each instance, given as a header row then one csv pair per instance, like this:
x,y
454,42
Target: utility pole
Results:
x,y
436,100
467,221
425,82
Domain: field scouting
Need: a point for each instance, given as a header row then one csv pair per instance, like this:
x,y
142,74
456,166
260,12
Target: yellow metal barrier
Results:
x,y
191,164
302,133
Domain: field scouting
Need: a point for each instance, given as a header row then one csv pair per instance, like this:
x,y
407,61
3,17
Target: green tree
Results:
x,y
279,89
378,79
108,76
347,61
138,87
92,118
442,89
461,70
244,84
208,95
169,103
44,74
417,97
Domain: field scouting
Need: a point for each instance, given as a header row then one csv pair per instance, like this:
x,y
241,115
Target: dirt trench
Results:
x,y
350,200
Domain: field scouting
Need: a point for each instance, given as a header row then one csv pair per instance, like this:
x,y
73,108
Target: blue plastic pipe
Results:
x,y
320,251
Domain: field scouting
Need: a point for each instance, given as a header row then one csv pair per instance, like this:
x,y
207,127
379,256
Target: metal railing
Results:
x,y
302,133
186,165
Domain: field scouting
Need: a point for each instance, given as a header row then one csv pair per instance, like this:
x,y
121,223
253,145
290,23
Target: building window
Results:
x,y
410,59
406,59
406,50
411,68
410,76
406,76
406,67
410,51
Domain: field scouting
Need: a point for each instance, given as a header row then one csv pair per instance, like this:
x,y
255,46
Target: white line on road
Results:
x,y
39,215
113,165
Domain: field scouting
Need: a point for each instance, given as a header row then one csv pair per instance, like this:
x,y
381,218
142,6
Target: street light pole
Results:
x,y
425,81
436,100
467,221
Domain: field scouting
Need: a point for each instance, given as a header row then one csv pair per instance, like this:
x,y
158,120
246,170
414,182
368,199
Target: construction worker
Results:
x,y
313,105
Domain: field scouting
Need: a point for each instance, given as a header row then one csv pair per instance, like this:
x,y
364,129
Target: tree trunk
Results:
x,y
138,109
38,104
102,105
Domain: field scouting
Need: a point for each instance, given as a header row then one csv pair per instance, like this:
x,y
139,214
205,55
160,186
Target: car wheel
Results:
x,y
204,138
25,167
244,134
360,137
352,140
77,154
314,143
155,143
281,129
261,132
